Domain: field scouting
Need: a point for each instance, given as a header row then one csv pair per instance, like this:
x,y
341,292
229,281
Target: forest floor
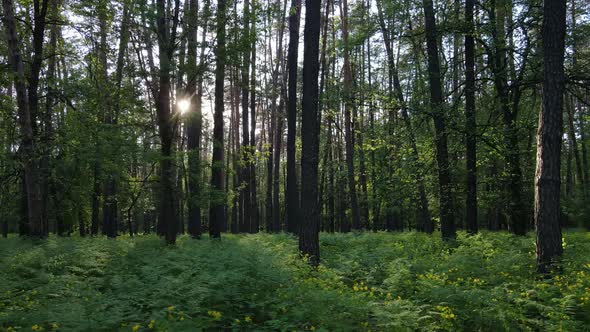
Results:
x,y
367,281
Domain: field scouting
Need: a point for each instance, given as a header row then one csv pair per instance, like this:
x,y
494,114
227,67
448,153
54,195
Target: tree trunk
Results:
x,y
547,177
246,156
165,48
36,224
254,215
47,117
194,121
292,190
437,107
574,143
217,216
309,233
470,122
348,134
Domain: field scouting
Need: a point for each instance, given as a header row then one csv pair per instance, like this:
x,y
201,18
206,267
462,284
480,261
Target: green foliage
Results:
x,y
367,281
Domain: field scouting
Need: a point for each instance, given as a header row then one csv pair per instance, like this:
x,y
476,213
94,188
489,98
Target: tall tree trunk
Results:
x,y
437,107
254,224
348,134
246,156
217,216
278,138
292,190
549,137
47,117
269,169
166,41
36,224
470,122
310,221
194,120
574,143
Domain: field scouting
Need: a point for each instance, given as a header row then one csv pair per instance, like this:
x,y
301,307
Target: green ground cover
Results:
x,y
367,281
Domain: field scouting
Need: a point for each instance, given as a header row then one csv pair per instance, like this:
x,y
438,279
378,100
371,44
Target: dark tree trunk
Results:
x,y
194,122
165,46
574,144
348,134
94,223
109,207
47,117
309,232
245,83
549,137
36,224
269,169
292,190
437,107
217,216
278,138
470,122
254,224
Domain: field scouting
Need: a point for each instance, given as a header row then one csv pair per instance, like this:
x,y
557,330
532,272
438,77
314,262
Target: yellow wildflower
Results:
x,y
36,328
136,327
54,325
170,308
151,324
215,314
248,319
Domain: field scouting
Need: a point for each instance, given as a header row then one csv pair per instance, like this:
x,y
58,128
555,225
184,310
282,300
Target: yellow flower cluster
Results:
x,y
446,312
215,314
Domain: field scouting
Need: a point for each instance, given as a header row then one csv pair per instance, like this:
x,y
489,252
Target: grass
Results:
x,y
367,281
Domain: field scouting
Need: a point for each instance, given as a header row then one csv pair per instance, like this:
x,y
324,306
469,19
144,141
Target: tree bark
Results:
x,y
255,223
470,122
292,190
166,41
36,224
246,156
309,233
194,121
348,134
437,106
549,137
217,216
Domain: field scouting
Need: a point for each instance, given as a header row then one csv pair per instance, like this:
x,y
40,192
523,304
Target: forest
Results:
x,y
289,165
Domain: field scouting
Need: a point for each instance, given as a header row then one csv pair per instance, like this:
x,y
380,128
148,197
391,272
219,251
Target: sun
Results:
x,y
183,105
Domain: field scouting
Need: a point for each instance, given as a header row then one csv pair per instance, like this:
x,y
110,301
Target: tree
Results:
x,y
470,122
292,189
348,135
245,193
437,108
194,123
217,216
309,232
166,46
27,102
549,137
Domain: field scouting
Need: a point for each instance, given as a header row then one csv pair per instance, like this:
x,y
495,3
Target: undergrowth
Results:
x,y
367,281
